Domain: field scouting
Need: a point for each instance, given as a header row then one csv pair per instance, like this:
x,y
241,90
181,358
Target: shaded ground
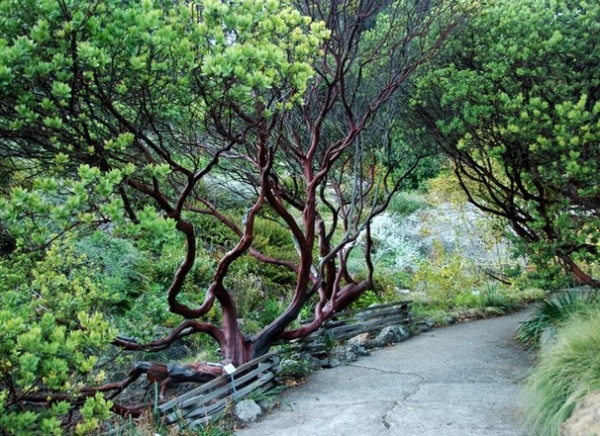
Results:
x,y
462,380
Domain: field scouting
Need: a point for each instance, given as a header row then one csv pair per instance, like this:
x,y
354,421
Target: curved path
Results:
x,y
463,380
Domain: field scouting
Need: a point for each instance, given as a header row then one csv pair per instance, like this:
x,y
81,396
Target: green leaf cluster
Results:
x,y
52,205
91,80
51,334
514,99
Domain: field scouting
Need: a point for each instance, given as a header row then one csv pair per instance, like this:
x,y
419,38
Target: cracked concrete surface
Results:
x,y
461,380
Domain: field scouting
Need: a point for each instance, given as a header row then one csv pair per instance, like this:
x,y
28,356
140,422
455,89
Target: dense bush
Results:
x,y
120,266
52,333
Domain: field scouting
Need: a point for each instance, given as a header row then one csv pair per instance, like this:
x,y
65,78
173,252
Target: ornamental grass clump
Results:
x,y
552,313
568,370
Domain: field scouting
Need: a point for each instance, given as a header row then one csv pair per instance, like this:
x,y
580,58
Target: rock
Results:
x,y
247,411
341,356
425,326
391,335
362,340
585,419
359,350
402,291
450,319
176,352
548,336
268,404
311,361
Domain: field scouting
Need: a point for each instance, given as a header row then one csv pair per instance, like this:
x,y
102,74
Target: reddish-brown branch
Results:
x,y
186,328
579,274
163,374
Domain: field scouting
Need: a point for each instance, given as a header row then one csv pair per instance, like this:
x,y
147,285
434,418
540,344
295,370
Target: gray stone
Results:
x,y
341,356
424,327
268,404
362,340
402,291
176,352
310,360
585,419
247,411
391,335
357,349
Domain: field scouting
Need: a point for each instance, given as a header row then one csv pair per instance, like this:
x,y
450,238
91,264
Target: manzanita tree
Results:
x,y
123,115
514,100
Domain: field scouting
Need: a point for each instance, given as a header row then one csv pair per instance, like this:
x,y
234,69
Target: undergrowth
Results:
x,y
567,370
553,312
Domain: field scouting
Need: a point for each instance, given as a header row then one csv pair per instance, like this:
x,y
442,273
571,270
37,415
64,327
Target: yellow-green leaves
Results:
x,y
93,411
256,49
6,75
54,205
46,346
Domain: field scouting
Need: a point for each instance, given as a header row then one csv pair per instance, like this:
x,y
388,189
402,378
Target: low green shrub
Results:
x,y
51,333
448,279
120,266
567,370
294,368
492,296
553,312
405,203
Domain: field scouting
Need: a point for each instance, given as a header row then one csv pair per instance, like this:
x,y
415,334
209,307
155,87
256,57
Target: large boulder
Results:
x,y
585,419
247,411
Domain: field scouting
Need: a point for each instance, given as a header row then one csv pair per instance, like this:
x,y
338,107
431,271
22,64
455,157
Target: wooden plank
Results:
x,y
360,316
382,314
373,308
218,414
207,387
350,330
370,317
367,325
240,381
215,405
183,407
212,384
405,304
211,409
225,391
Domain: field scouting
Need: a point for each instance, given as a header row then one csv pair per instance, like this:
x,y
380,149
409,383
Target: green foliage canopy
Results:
x,y
514,99
95,97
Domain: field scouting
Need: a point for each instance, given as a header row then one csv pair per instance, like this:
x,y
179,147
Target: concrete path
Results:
x,y
462,380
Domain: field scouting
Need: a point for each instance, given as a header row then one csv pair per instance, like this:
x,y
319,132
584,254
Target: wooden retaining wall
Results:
x,y
351,323
210,401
